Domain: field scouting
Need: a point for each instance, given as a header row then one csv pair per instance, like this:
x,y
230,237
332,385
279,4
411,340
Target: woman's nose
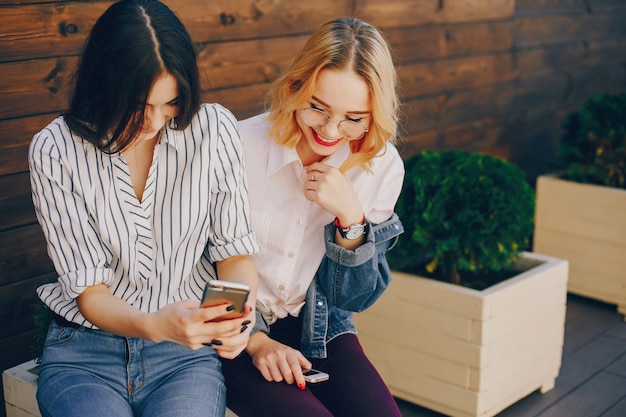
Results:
x,y
331,129
156,118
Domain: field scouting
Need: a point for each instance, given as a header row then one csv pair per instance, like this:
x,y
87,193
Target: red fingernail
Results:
x,y
301,385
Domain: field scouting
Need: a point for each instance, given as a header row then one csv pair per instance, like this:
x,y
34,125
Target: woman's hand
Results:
x,y
277,362
183,322
333,191
230,346
188,325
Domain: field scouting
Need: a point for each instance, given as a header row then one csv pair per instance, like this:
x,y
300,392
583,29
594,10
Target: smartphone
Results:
x,y
226,292
312,376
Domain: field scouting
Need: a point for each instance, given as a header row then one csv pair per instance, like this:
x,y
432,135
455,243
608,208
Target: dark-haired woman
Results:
x,y
141,194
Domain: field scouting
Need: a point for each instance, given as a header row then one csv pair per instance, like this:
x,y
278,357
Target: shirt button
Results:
x,y
279,303
290,255
320,303
281,287
299,222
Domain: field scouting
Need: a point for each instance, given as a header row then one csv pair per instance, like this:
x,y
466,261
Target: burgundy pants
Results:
x,y
354,389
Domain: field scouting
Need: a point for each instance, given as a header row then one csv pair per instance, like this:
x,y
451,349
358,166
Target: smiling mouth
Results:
x,y
323,141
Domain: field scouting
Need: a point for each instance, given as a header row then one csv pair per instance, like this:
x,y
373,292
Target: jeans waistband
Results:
x,y
62,321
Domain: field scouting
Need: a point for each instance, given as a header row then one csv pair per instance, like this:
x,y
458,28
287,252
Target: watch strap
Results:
x,y
340,226
351,232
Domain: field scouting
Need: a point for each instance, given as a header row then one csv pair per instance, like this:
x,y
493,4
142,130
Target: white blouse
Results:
x,y
290,228
151,253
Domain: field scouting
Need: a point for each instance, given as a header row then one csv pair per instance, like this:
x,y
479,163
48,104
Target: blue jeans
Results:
x,y
94,373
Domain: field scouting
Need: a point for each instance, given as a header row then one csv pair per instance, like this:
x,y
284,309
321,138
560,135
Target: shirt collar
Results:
x,y
281,156
168,137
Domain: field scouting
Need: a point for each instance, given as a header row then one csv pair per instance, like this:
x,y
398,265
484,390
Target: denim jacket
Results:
x,y
347,281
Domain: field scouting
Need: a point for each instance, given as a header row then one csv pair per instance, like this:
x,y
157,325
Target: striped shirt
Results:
x,y
151,253
289,227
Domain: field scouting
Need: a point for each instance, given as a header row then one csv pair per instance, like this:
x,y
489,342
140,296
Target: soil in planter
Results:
x,y
482,280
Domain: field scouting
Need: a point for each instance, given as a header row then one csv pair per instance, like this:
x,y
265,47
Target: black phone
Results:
x,y
218,292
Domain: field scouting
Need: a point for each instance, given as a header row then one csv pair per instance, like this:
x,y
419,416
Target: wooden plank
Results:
x,y
553,93
15,2
246,19
579,222
421,113
17,349
618,367
436,295
16,206
539,7
244,102
20,385
518,138
439,346
592,320
17,305
550,29
416,43
47,30
500,101
596,216
23,254
595,5
405,359
411,144
617,331
617,410
386,14
592,80
482,135
233,64
543,7
409,315
34,87
461,73
545,61
586,352
15,137
593,398
42,86
529,375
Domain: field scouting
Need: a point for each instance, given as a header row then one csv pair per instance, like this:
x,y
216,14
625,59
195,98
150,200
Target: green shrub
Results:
x,y
42,316
463,214
593,146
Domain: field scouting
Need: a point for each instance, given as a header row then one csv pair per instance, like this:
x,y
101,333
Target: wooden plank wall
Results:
x,y
480,75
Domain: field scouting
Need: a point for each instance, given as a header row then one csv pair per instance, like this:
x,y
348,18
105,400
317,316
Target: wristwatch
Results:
x,y
354,231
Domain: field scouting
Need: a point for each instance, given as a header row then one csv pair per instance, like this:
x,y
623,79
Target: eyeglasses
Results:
x,y
317,118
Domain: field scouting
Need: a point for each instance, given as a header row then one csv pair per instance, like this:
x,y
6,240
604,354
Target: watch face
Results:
x,y
355,231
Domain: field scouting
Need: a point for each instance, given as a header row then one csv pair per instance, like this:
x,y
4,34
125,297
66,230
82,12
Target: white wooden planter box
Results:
x,y
20,389
585,224
464,352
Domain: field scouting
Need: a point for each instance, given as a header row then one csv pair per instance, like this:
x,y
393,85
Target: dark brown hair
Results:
x,y
130,46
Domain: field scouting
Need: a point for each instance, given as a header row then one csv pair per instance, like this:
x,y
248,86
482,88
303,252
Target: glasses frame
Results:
x,y
328,118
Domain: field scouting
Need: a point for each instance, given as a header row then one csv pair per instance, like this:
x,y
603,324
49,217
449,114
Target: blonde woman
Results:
x,y
323,179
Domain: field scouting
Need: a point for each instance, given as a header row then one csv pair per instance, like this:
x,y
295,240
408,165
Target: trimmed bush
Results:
x,y
464,214
592,149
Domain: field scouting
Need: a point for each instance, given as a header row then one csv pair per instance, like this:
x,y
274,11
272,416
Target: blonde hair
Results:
x,y
344,43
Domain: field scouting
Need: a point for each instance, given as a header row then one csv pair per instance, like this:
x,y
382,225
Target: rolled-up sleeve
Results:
x,y
231,231
73,243
354,280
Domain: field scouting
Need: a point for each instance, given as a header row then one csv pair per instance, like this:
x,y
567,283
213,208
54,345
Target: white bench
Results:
x,y
20,388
